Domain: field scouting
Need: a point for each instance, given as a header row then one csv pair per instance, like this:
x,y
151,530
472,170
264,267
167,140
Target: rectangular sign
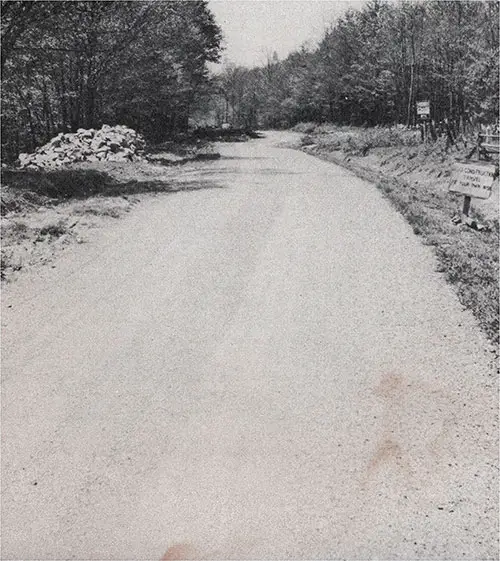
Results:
x,y
474,179
423,108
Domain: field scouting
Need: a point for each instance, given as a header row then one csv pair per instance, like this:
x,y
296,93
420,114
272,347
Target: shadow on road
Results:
x,y
24,189
157,186
223,157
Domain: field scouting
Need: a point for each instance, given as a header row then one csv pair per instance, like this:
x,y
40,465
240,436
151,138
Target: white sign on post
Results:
x,y
423,109
473,179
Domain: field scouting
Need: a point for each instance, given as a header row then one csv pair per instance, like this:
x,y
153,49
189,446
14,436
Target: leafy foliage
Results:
x,y
372,66
78,64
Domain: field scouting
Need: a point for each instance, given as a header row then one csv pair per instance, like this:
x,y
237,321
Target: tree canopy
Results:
x,y
67,65
373,64
143,64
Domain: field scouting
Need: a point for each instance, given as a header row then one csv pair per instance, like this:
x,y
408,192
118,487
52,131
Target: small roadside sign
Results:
x,y
474,179
423,109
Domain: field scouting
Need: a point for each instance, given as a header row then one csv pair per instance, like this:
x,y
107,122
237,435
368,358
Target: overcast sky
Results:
x,y
253,29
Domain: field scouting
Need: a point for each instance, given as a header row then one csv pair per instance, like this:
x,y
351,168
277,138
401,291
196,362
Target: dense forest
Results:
x,y
67,65
73,64
373,65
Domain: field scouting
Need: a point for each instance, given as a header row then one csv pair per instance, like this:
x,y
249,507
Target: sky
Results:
x,y
254,29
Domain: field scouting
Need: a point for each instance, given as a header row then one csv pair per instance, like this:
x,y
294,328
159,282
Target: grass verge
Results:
x,y
469,259
33,188
43,212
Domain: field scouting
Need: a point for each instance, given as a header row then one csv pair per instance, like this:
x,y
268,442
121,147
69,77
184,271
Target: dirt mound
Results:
x,y
114,144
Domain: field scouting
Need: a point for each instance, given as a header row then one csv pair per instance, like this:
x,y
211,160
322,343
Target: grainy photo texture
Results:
x,y
249,273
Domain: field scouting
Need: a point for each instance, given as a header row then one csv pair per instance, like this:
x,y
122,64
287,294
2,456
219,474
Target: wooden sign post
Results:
x,y
424,114
475,179
472,179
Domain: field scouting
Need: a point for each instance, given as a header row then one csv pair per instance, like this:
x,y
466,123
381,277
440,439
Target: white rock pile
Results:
x,y
111,144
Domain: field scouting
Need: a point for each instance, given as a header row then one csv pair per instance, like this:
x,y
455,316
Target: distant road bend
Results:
x,y
269,370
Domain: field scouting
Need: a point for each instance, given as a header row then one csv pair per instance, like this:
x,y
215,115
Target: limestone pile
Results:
x,y
111,144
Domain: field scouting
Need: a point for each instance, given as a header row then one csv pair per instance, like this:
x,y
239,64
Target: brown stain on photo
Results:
x,y
389,459
390,386
178,552
386,451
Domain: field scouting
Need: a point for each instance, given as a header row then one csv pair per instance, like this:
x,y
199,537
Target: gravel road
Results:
x,y
272,369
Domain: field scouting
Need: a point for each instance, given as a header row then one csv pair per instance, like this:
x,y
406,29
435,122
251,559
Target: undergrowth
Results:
x,y
354,140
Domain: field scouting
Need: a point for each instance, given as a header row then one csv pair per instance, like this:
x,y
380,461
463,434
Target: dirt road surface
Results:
x,y
272,369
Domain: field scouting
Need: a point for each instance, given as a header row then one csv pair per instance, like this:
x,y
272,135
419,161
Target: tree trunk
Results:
x,y
90,106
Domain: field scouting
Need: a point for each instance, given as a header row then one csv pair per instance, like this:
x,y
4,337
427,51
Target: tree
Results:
x,y
374,64
77,64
